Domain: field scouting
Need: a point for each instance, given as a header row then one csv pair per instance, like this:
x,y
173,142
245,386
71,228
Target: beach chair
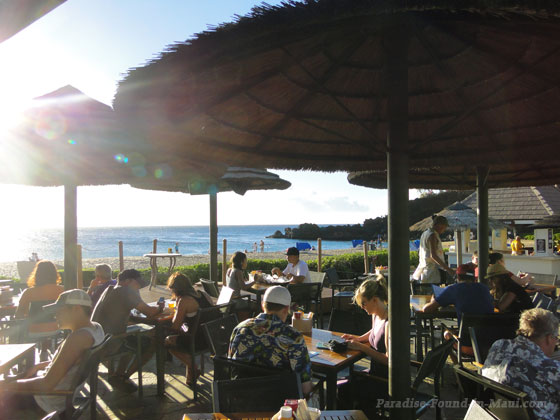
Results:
x,y
303,246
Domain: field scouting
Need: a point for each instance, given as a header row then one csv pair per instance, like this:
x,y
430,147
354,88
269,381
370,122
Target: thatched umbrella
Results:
x,y
358,85
460,218
239,180
17,15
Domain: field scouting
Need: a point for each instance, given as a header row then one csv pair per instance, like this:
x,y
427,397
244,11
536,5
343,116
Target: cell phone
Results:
x,y
161,300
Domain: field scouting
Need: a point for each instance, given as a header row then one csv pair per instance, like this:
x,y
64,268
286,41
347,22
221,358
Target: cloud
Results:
x,y
343,204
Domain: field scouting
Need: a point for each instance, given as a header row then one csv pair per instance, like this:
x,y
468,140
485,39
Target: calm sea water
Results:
x,y
103,242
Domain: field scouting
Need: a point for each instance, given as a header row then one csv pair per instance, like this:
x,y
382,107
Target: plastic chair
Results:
x,y
218,333
336,283
210,287
483,336
265,393
226,368
305,295
354,321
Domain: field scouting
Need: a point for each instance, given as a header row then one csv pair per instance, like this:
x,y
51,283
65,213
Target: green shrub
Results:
x,y
529,237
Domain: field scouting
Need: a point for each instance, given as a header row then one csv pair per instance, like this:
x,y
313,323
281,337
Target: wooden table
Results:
x,y
325,415
417,302
329,362
542,288
153,264
14,354
159,321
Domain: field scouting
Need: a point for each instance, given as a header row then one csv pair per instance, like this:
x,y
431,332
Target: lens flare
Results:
x,y
50,125
121,158
71,141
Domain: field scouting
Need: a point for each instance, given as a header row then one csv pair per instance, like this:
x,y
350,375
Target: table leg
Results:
x,y
331,390
160,359
419,352
153,265
172,262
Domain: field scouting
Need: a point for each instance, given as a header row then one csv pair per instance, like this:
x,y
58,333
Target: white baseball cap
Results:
x,y
71,297
279,295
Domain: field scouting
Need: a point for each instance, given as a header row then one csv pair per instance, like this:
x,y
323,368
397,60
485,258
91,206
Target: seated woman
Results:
x,y
372,297
496,258
43,288
188,301
235,275
73,311
508,295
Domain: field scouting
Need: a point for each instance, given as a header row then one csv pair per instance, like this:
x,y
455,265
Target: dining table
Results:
x,y
154,264
328,362
325,415
20,355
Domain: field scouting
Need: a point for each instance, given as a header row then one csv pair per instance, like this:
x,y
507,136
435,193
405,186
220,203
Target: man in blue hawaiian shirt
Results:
x,y
267,339
525,364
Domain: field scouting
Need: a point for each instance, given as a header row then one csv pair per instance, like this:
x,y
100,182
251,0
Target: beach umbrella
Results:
x,y
359,85
236,179
17,15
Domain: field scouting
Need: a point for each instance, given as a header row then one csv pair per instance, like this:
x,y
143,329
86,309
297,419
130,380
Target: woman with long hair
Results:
x,y
235,275
187,302
508,295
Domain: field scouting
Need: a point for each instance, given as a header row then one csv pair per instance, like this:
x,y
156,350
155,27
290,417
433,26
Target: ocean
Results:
x,y
103,242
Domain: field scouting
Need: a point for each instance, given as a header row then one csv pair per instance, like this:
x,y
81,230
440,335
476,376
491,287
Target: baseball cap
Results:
x,y
279,295
131,273
292,251
465,270
496,270
71,297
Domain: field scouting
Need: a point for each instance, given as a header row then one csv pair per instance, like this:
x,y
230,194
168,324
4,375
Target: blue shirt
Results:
x,y
472,298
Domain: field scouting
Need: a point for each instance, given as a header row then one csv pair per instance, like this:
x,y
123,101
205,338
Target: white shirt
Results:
x,y
300,269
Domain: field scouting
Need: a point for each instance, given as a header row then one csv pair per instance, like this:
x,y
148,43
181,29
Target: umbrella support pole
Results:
x,y
482,211
396,48
70,237
213,236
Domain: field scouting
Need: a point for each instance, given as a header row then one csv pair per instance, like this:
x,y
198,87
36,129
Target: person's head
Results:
x,y
541,327
497,276
239,260
44,273
518,238
474,257
180,285
72,307
292,254
277,300
103,272
131,278
496,258
439,223
465,272
372,296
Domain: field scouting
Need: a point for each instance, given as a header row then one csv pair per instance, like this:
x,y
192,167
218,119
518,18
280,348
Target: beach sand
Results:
x,y
9,269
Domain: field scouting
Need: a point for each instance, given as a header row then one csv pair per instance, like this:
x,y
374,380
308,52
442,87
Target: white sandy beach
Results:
x,y
9,269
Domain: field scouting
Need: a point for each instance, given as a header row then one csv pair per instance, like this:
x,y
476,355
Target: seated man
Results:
x,y
524,363
103,279
268,341
113,312
73,310
296,270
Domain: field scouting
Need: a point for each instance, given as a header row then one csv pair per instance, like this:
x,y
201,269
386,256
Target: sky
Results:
x,y
90,45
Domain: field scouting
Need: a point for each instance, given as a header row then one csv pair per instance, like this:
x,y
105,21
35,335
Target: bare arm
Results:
x,y
506,300
432,306
432,240
360,339
23,307
149,310
185,305
375,355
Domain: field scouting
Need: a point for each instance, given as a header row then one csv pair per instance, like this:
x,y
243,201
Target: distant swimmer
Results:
x,y
262,245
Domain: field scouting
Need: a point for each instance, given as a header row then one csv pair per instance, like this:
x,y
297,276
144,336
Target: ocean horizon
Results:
x,y
102,242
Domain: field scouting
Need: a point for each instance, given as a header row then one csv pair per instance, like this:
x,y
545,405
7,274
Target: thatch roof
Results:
x,y
520,204
459,216
303,85
16,15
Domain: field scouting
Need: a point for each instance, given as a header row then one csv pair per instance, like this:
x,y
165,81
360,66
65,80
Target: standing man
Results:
x,y
262,246
296,270
103,279
516,246
113,312
269,341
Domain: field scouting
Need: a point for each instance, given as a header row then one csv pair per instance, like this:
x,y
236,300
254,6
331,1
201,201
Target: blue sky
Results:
x,y
90,45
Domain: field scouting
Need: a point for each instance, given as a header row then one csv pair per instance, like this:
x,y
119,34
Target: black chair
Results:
x,y
226,368
417,288
210,287
431,366
483,336
353,321
47,340
87,371
336,283
508,403
218,333
304,295
266,393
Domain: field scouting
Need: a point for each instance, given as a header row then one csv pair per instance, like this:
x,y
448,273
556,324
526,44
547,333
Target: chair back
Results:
x,y
210,287
353,321
540,300
508,321
478,412
317,277
539,278
433,364
303,294
226,368
508,402
225,296
482,338
422,288
90,363
331,275
218,333
38,315
255,394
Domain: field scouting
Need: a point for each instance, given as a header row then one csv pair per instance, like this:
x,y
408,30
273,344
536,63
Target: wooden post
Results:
x,y
121,256
80,280
482,220
224,261
459,247
154,247
365,247
213,236
70,236
319,252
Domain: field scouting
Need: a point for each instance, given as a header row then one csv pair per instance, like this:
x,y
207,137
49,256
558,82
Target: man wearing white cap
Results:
x,y
267,339
73,310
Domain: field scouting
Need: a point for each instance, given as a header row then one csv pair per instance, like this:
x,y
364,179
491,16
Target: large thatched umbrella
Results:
x,y
239,180
357,85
